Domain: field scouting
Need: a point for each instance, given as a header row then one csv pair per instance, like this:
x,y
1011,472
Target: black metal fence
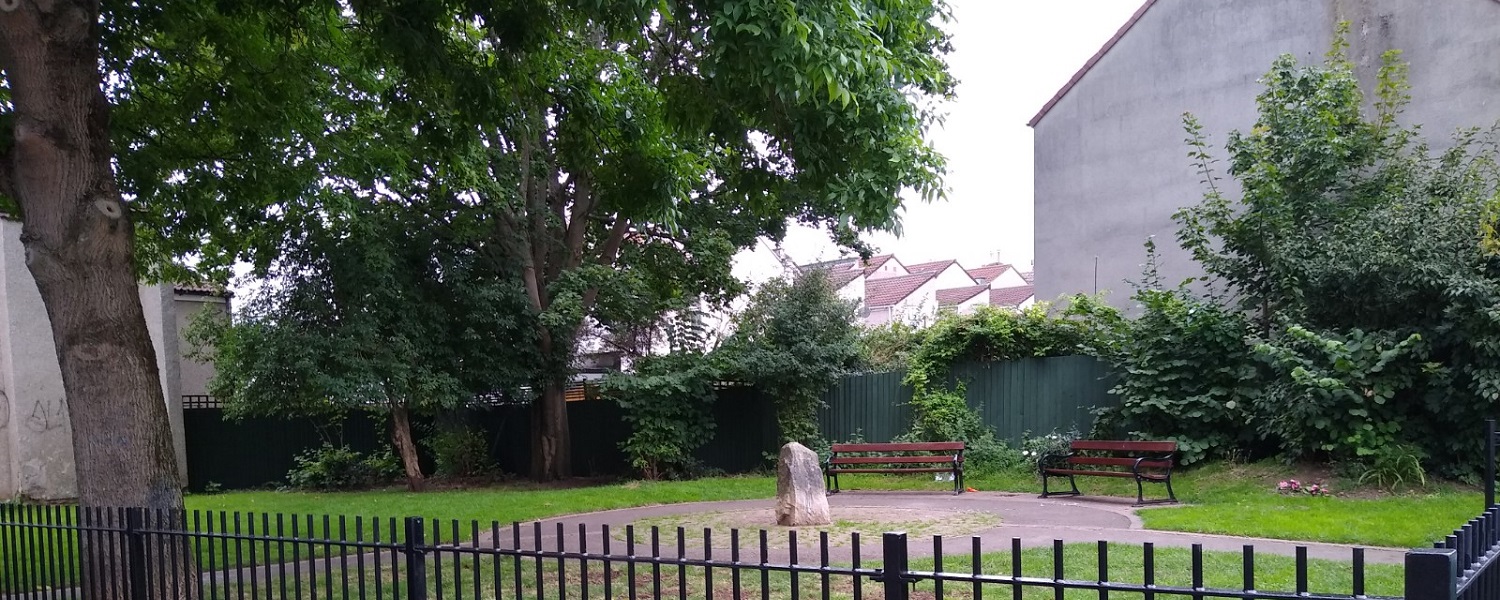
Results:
x,y
149,555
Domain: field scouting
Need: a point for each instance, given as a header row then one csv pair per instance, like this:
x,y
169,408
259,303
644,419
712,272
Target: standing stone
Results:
x,y
801,498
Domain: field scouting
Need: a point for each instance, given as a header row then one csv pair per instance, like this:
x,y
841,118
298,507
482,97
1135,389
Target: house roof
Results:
x,y
831,265
1140,12
890,290
1012,297
1029,276
956,296
876,262
988,272
840,278
932,268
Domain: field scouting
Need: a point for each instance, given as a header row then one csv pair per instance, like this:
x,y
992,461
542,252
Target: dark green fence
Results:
x,y
1036,395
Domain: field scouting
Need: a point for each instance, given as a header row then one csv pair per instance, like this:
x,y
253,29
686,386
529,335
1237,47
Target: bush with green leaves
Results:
x,y
1185,373
1367,265
332,467
794,342
462,452
668,404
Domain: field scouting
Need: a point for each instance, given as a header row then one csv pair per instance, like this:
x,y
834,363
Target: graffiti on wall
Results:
x,y
47,415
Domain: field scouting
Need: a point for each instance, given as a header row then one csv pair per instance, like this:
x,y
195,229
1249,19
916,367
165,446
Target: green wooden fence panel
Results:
x,y
1035,396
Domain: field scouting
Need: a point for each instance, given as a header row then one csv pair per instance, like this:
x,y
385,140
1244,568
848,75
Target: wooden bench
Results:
x,y
911,457
1141,461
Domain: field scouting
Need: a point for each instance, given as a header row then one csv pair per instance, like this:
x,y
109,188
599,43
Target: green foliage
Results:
x,y
1186,374
1333,396
940,410
888,347
340,468
1393,465
1364,266
668,403
793,342
460,453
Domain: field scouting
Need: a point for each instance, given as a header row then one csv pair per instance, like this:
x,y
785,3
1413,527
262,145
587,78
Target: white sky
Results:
x,y
1010,57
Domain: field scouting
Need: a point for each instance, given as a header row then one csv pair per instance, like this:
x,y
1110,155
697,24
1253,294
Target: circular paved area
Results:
x,y
1035,521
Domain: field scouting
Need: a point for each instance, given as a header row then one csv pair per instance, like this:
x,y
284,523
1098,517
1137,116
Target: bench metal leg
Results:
x,y
1073,483
958,476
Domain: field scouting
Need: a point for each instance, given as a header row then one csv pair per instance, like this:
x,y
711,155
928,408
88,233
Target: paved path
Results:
x,y
1035,521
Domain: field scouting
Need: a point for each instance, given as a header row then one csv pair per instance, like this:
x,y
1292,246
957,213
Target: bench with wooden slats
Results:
x,y
1142,461
895,457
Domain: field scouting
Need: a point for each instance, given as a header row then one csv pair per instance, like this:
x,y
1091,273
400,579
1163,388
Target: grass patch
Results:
x,y
479,576
1241,499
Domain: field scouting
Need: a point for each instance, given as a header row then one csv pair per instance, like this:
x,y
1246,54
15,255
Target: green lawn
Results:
x,y
1222,499
1236,499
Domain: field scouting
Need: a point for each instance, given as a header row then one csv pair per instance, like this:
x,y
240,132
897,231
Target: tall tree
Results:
x,y
56,165
391,308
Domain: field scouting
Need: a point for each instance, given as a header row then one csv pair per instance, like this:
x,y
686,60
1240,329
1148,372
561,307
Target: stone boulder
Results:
x,y
801,497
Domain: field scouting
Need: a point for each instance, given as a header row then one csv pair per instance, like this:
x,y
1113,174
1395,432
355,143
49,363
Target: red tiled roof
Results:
x,y
1140,12
890,290
932,268
839,279
1011,297
956,296
988,272
876,262
832,265
1029,276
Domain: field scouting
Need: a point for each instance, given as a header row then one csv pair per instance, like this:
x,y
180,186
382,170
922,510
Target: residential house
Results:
x,y
1111,164
889,290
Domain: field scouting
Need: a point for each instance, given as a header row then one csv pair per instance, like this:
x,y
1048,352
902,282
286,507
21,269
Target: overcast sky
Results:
x,y
1010,57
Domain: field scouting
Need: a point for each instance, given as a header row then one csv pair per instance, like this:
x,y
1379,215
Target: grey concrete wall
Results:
x,y
193,375
40,436
1111,162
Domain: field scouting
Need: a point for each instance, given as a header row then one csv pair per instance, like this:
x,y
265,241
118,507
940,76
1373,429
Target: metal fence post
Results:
x,y
893,553
1489,463
416,559
135,551
1432,574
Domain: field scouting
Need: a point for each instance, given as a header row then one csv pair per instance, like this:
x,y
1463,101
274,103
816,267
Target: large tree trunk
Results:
x,y
551,442
401,435
79,247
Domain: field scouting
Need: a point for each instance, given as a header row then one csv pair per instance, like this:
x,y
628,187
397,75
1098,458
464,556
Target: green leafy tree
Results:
x,y
620,153
392,309
1366,262
793,342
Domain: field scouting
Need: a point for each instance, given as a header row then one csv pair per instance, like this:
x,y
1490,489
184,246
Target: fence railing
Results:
x,y
57,553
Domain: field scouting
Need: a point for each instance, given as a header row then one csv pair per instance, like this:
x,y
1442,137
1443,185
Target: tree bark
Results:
x,y
401,435
80,249
552,443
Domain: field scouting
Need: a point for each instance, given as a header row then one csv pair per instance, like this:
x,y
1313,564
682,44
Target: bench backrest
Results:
x,y
1123,446
901,447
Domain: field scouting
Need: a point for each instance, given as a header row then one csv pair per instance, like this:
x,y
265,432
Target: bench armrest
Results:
x,y
1049,458
1166,458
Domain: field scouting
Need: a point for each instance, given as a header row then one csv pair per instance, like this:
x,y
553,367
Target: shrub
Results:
x,y
667,403
460,453
332,467
1186,374
1392,466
